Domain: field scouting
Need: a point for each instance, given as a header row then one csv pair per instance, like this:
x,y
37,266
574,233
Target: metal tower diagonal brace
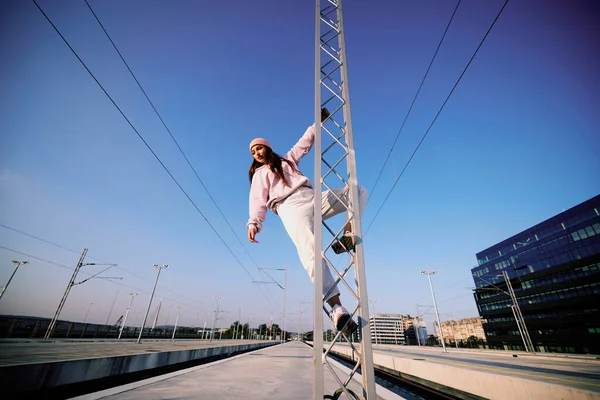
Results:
x,y
334,144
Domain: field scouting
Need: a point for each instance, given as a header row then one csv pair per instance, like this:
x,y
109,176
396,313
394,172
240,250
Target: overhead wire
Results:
x,y
92,275
149,147
411,106
414,99
437,114
175,141
60,246
41,259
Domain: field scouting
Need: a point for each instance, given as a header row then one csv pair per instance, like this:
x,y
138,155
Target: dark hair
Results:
x,y
273,161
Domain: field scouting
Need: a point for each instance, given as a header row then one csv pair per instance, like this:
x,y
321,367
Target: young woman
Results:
x,y
277,184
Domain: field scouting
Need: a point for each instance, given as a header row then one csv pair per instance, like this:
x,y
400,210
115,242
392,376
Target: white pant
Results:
x,y
297,214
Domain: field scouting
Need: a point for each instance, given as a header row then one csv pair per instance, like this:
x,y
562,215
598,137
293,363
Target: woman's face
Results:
x,y
259,152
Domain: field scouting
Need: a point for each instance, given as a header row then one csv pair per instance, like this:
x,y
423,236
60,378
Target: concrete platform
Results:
x,y
278,372
492,375
575,372
57,369
14,352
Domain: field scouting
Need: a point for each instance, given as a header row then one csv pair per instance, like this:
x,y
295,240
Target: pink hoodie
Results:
x,y
267,189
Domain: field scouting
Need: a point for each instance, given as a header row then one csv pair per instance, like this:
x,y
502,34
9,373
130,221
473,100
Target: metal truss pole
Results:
x,y
334,144
159,267
319,377
65,295
512,307
518,312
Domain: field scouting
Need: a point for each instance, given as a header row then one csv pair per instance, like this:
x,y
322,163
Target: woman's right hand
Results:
x,y
252,235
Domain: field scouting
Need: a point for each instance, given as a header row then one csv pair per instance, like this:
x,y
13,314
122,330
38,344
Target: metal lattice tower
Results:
x,y
335,166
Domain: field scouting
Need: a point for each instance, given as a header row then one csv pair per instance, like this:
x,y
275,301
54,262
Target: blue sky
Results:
x,y
514,146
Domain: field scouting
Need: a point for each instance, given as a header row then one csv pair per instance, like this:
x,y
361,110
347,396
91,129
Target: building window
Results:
x,y
590,231
575,236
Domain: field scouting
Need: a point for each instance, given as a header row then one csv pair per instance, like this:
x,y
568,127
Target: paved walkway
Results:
x,y
278,372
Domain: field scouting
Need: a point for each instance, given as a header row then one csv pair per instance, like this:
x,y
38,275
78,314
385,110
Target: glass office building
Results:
x,y
554,270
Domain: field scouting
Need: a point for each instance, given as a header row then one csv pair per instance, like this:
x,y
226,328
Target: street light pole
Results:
x,y
238,334
157,313
17,265
374,319
417,326
126,314
87,312
204,328
176,320
159,267
283,332
215,315
437,315
111,308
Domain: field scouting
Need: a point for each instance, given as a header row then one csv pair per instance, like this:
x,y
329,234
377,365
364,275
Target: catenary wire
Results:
x,y
41,259
411,105
149,148
60,246
90,275
414,100
437,115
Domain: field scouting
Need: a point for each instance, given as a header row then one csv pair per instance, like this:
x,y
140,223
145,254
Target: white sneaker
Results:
x,y
340,317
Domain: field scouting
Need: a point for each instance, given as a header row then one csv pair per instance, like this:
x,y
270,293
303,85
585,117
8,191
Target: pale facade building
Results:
x,y
387,329
461,330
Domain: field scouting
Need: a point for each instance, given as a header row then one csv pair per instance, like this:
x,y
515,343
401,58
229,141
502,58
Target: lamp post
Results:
x,y
87,312
159,267
237,334
300,312
17,265
126,314
215,316
416,326
374,319
176,320
111,308
437,315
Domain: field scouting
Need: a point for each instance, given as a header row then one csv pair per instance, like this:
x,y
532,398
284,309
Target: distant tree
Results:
x,y
263,330
328,335
472,341
432,340
245,331
186,330
275,330
239,330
